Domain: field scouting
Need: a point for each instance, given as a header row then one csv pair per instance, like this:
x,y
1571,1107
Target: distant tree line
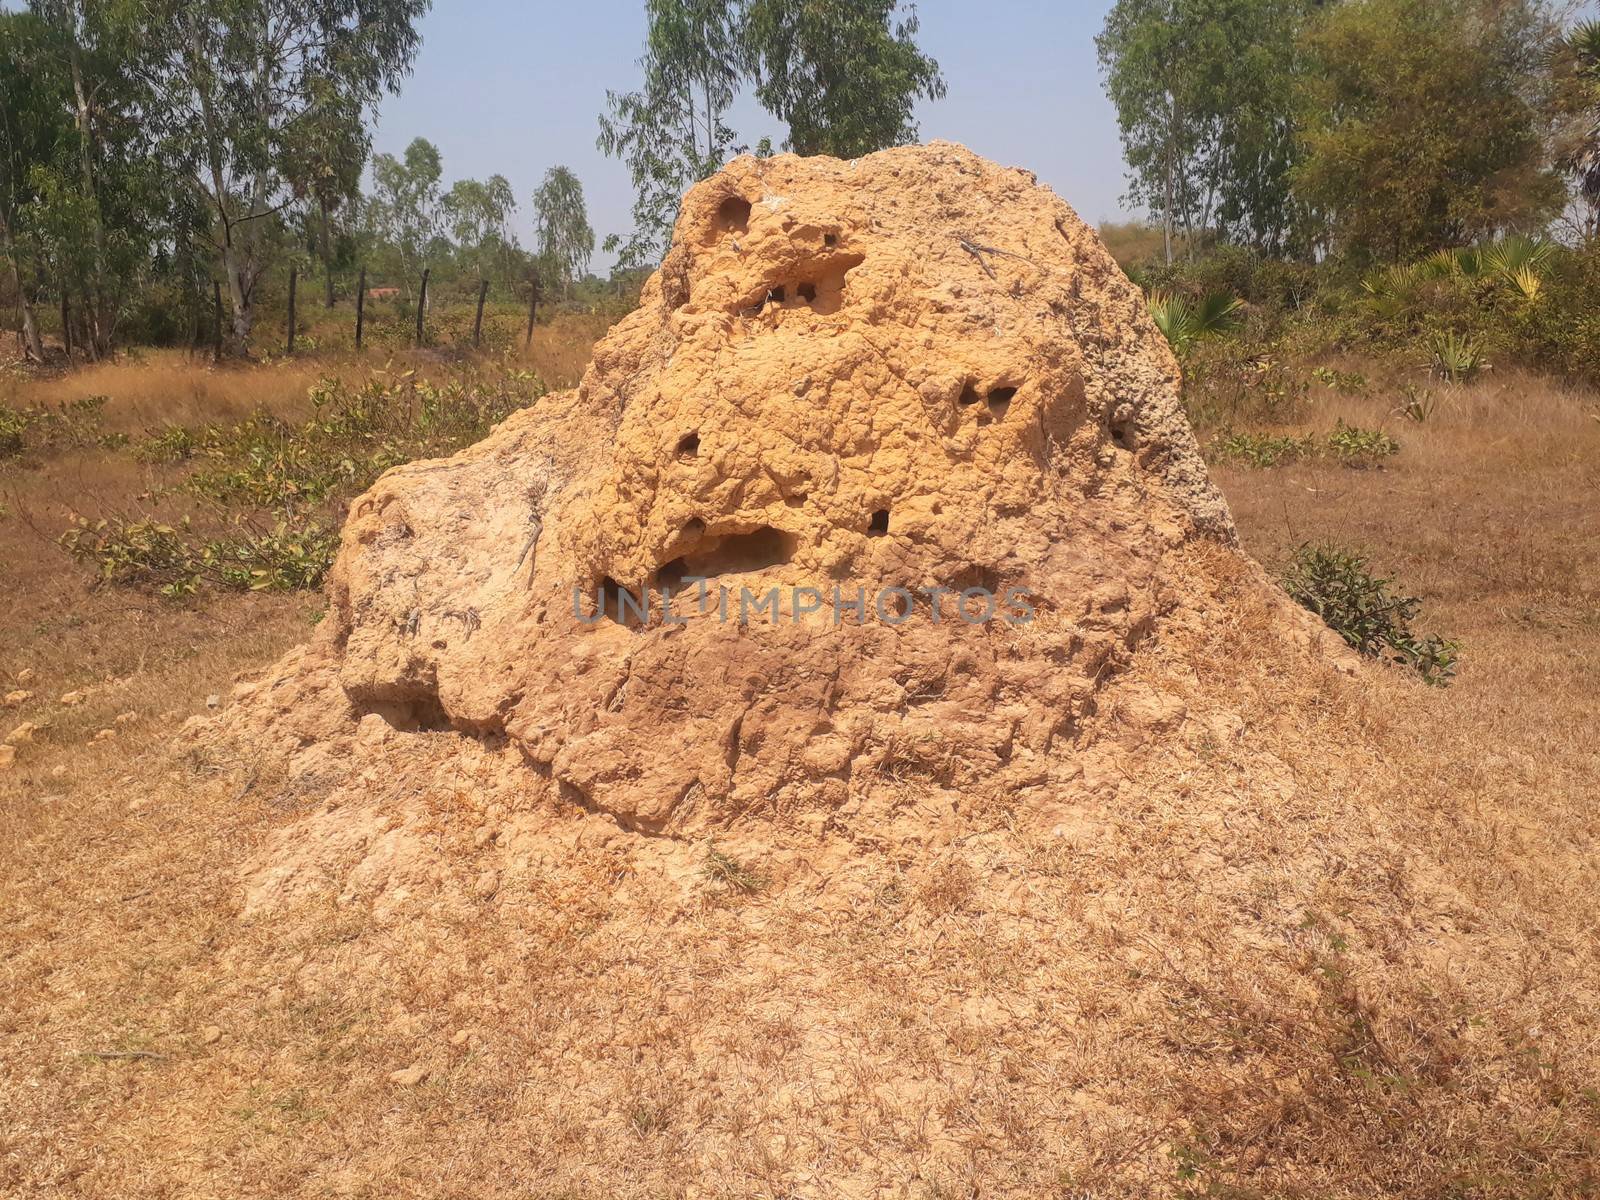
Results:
x,y
1359,131
158,158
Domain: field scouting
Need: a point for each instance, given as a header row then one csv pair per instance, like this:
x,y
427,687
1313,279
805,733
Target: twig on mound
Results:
x,y
124,1054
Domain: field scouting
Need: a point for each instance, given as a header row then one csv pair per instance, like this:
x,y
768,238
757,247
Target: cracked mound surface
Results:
x,y
916,371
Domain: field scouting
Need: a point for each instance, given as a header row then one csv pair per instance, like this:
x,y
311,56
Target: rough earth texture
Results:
x,y
916,370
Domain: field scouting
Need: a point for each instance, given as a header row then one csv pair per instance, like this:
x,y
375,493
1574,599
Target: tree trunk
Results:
x,y
216,339
422,304
293,275
99,340
32,345
477,321
327,253
361,305
533,307
66,326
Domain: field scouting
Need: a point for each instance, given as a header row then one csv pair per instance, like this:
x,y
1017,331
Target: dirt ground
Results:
x,y
147,1048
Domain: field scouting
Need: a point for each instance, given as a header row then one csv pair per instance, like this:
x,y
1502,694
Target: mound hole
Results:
x,y
879,525
1000,400
733,215
969,395
738,553
620,605
830,240
694,527
778,294
672,573
1122,435
807,292
689,445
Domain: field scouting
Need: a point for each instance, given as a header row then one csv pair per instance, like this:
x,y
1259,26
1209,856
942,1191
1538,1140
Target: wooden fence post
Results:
x,y
216,344
477,322
293,274
533,306
361,304
422,303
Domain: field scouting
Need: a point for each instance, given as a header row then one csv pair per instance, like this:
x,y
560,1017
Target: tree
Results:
x,y
404,209
1422,124
33,130
1577,65
565,240
477,214
1204,102
843,74
671,132
246,83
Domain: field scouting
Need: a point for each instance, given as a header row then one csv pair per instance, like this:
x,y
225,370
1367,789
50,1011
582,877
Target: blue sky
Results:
x,y
515,87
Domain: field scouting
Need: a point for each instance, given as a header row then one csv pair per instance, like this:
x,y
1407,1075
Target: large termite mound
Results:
x,y
883,893
913,393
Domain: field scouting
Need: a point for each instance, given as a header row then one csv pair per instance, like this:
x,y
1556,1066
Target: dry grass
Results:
x,y
1263,972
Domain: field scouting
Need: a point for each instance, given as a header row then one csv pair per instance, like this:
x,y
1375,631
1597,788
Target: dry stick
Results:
x,y
126,1054
216,343
477,322
422,303
361,304
293,274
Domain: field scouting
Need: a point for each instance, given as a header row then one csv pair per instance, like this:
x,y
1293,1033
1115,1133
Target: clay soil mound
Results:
x,y
1064,862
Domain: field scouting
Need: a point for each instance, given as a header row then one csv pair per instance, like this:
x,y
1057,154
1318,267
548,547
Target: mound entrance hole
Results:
x,y
689,445
878,526
733,215
730,554
1000,400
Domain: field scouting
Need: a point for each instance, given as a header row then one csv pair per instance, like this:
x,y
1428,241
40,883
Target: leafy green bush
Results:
x,y
1354,446
1263,449
1184,321
1457,357
1337,585
1229,381
55,427
165,556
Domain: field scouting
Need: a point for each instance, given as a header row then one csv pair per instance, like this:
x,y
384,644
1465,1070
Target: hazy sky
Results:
x,y
515,87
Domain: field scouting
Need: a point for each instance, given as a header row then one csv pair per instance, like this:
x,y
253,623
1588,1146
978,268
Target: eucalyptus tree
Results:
x,y
477,213
564,239
404,211
254,90
671,132
845,75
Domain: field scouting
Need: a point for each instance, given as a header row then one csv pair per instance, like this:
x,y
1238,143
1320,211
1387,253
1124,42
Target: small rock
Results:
x,y
25,676
459,1037
22,734
125,780
104,735
487,885
483,836
72,698
8,755
59,771
213,701
127,718
14,699
210,1034
409,1077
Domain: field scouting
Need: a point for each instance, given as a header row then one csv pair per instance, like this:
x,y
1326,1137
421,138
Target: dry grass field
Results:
x,y
155,1043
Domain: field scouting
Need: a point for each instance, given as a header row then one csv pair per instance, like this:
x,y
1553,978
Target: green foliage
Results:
x,y
729,873
1348,445
1419,126
1576,65
1184,321
1354,446
76,423
1418,405
1231,381
565,240
1457,357
404,211
1204,94
1346,383
279,486
1338,586
671,133
1262,449
477,214
843,74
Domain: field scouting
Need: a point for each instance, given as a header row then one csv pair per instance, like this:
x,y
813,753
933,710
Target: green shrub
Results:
x,y
1228,382
1354,446
55,427
1457,357
1263,449
1337,586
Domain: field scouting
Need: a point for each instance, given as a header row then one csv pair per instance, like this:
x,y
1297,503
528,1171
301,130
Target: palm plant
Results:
x,y
1184,321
